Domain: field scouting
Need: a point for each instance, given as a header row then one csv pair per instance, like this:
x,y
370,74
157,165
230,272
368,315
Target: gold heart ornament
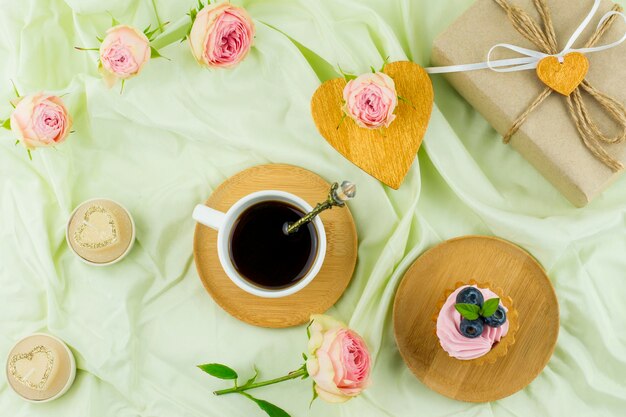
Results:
x,y
32,369
564,77
386,154
98,230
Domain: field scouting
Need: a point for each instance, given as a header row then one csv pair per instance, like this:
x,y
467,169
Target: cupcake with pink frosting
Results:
x,y
475,323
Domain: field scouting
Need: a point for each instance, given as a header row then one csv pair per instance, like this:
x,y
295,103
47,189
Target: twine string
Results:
x,y
545,39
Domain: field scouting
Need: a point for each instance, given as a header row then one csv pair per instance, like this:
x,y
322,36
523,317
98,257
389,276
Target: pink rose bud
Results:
x,y
221,35
370,100
40,120
339,362
123,53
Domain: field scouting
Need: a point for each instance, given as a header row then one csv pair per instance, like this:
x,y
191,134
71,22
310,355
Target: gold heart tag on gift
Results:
x,y
386,154
98,230
32,369
563,77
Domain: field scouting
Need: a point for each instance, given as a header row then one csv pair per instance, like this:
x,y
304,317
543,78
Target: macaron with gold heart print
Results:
x,y
40,368
101,232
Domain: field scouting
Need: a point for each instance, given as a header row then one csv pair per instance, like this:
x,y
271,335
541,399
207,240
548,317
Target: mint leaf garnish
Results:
x,y
468,311
490,307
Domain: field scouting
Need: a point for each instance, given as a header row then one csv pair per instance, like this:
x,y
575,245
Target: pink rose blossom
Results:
x,y
123,53
221,35
40,120
339,361
370,100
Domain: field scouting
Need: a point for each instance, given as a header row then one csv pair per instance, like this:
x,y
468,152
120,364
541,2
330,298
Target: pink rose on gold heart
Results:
x,y
339,361
221,35
40,120
123,53
370,100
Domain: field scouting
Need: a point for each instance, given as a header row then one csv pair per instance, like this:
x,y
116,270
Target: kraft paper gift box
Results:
x,y
548,139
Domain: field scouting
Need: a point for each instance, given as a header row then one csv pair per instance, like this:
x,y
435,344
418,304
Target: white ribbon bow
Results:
x,y
531,58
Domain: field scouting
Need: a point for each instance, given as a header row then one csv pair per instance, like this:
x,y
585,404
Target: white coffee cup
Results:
x,y
224,222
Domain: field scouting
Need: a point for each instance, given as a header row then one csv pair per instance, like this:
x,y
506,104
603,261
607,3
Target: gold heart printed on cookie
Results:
x,y
98,230
24,375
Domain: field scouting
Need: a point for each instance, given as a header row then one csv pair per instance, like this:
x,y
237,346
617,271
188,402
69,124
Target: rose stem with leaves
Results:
x,y
300,373
224,372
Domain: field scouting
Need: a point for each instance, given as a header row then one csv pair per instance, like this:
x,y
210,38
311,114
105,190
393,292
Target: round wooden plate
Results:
x,y
484,259
319,295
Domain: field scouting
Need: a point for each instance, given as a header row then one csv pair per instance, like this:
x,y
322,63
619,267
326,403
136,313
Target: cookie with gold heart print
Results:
x,y
98,230
33,368
387,153
563,77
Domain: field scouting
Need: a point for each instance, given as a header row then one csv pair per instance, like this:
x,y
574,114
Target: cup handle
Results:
x,y
208,216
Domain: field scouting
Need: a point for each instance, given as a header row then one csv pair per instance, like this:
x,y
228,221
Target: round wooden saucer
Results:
x,y
319,295
483,259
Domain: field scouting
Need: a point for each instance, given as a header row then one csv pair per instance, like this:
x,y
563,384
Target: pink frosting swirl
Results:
x,y
450,337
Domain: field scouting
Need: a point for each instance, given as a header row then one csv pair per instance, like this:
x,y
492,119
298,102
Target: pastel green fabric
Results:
x,y
138,328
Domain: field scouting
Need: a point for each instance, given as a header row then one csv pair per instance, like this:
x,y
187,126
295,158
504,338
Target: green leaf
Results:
x,y
150,34
30,155
314,395
7,124
114,21
155,54
373,69
99,39
468,311
122,87
146,30
219,371
17,141
200,5
192,14
385,62
17,94
251,380
404,100
271,409
304,356
342,120
490,307
347,76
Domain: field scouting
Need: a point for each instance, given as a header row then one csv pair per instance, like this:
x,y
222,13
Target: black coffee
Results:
x,y
263,254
